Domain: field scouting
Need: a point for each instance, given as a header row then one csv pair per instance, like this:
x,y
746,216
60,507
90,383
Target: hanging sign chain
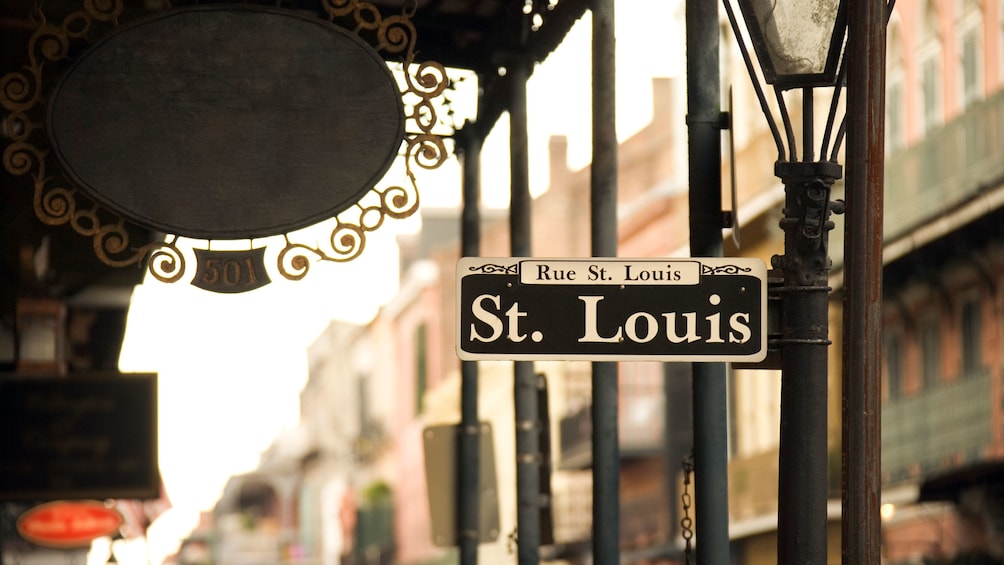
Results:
x,y
687,523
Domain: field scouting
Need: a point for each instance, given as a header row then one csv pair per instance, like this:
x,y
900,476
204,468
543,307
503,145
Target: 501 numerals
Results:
x,y
230,271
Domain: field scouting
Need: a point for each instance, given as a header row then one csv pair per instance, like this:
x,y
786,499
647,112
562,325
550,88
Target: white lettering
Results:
x,y
493,321
671,334
514,315
739,322
716,330
651,327
592,333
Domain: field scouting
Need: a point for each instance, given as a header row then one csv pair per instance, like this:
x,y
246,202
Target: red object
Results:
x,y
68,523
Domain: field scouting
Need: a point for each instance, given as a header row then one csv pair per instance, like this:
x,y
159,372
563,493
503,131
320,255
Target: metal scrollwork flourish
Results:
x,y
723,269
57,202
490,268
423,84
348,237
22,96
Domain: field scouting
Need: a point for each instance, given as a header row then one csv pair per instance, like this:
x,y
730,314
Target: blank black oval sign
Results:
x,y
227,122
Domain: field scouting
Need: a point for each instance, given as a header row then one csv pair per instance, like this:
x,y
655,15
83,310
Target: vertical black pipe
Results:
x,y
468,449
603,229
801,529
709,379
524,379
470,221
862,420
802,484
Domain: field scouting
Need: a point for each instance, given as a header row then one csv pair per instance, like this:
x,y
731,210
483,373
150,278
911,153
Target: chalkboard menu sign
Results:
x,y
75,437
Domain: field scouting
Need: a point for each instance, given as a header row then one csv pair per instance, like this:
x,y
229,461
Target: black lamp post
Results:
x,y
798,44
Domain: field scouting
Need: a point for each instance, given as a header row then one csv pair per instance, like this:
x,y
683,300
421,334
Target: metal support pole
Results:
x,y
469,439
802,485
603,229
704,122
524,379
470,228
862,417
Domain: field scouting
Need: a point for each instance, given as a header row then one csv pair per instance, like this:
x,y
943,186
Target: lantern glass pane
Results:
x,y
797,33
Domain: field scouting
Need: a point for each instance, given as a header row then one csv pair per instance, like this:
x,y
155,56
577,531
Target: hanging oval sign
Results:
x,y
68,523
227,122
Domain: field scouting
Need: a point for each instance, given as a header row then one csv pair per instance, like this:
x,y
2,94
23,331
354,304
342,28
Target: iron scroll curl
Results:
x,y
119,239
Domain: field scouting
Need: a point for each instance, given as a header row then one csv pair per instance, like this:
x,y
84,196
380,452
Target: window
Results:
x,y
929,77
1000,42
894,364
970,26
363,401
421,367
895,118
971,335
930,343
930,70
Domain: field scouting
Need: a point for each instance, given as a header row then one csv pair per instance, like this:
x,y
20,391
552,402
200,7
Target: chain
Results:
x,y
687,523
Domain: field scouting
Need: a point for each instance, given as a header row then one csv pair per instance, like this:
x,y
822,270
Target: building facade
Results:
x,y
942,429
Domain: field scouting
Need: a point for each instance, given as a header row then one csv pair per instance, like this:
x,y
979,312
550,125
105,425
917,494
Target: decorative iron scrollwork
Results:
x,y
54,203
57,202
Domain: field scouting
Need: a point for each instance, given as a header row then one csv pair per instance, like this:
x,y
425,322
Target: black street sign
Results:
x,y
612,309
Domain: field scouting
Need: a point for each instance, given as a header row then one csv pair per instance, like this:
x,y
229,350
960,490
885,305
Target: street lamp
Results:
x,y
798,45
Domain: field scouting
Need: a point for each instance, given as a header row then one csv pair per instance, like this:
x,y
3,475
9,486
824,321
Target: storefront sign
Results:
x,y
68,523
227,121
80,437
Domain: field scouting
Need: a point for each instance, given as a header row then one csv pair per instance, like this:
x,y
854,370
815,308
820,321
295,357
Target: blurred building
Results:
x,y
361,490
652,221
942,444
943,401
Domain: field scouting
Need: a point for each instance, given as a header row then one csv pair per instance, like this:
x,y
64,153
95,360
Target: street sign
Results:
x,y
612,309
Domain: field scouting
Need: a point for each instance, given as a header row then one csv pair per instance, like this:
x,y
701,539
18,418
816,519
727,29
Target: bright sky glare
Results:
x,y
231,366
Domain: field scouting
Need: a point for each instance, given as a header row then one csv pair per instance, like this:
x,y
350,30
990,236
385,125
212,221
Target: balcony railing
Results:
x,y
753,483
576,433
639,429
937,429
572,496
951,165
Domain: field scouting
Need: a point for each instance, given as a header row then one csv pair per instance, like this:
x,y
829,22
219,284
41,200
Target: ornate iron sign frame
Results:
x,y
57,201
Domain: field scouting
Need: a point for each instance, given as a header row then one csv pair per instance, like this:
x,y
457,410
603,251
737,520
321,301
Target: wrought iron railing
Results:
x,y
753,485
949,166
938,428
639,429
572,495
576,433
